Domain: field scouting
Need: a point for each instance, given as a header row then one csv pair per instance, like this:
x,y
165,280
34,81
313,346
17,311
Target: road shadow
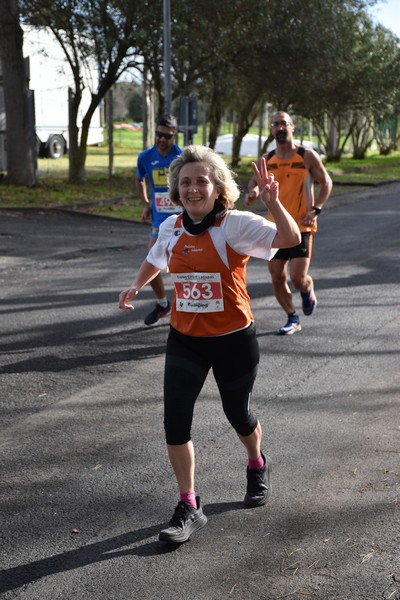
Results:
x,y
98,552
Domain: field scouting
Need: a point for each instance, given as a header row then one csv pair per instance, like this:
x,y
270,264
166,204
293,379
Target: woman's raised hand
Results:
x,y
269,188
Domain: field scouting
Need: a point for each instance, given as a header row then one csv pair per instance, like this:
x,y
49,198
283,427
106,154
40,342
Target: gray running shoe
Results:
x,y
185,521
157,313
259,484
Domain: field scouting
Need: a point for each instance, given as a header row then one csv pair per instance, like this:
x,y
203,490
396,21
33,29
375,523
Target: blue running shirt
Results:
x,y
154,166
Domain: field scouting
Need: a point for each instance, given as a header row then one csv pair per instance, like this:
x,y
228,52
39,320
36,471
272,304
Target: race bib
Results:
x,y
164,203
198,292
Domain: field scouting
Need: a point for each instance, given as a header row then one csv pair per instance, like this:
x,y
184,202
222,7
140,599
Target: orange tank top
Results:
x,y
210,298
296,190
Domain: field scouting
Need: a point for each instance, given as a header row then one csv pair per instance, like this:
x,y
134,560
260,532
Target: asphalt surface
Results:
x,y
85,481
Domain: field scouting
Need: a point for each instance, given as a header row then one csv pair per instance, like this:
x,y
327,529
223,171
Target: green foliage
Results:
x,y
375,168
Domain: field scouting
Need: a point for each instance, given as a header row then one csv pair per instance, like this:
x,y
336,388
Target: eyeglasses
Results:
x,y
282,123
167,136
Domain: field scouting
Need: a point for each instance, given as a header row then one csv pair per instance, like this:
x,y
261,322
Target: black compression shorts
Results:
x,y
233,359
303,250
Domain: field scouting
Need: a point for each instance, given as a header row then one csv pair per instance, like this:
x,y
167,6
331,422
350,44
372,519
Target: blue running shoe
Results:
x,y
292,325
309,301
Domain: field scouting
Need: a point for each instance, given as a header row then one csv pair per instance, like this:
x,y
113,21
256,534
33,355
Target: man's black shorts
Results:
x,y
303,250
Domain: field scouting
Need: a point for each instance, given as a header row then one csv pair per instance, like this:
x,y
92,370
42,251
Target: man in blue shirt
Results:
x,y
154,163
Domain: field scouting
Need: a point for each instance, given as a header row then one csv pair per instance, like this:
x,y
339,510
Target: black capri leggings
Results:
x,y
233,359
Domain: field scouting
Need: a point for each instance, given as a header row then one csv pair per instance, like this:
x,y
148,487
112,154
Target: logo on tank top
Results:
x,y
188,248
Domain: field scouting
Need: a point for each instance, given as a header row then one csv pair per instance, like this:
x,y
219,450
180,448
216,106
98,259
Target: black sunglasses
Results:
x,y
281,123
167,136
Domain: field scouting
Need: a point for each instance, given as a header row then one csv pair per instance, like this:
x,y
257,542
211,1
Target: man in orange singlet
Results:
x,y
295,168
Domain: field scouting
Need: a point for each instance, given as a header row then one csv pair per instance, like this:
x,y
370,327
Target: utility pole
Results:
x,y
167,56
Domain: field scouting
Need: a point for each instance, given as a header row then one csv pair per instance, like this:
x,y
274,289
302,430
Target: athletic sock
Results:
x,y
163,302
256,464
189,498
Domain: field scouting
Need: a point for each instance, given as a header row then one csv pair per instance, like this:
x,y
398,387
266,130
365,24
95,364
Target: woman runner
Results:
x,y
206,249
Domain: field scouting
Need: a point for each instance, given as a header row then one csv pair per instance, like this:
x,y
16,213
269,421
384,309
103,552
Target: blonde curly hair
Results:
x,y
223,177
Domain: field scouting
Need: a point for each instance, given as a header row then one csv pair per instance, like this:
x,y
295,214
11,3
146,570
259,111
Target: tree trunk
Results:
x,y
76,160
247,115
110,131
148,111
215,117
20,133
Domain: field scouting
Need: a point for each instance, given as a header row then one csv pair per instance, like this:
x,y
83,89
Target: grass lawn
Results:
x,y
116,195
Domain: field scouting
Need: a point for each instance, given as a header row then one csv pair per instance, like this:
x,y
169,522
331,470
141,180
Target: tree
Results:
x,y
213,66
353,80
19,126
314,63
386,111
108,32
375,59
294,55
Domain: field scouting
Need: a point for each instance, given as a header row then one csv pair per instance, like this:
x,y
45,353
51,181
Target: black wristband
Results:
x,y
316,210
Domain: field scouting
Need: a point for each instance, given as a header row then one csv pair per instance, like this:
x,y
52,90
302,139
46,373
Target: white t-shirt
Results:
x,y
245,232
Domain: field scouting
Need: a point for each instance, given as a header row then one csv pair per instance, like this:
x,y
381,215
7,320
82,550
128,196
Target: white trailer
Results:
x,y
50,78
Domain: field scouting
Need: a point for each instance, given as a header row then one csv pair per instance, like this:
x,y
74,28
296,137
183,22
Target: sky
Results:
x,y
388,14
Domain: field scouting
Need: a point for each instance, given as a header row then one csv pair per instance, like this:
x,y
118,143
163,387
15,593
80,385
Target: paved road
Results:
x,y
85,484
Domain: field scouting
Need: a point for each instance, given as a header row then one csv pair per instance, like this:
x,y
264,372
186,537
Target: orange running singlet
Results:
x,y
296,190
210,298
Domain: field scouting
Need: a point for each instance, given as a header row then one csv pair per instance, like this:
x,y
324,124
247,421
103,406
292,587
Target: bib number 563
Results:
x,y
197,291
